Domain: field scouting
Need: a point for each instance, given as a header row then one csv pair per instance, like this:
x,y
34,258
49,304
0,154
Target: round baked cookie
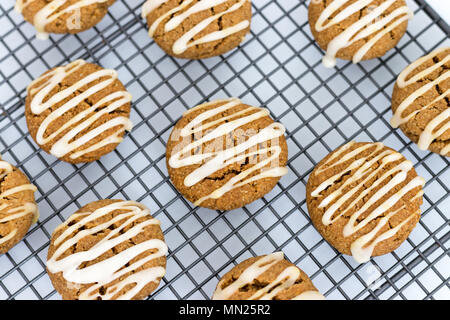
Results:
x,y
18,210
197,29
107,250
421,102
62,16
225,154
78,112
364,198
355,29
268,277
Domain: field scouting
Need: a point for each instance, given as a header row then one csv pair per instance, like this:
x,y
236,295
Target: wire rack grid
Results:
x,y
278,66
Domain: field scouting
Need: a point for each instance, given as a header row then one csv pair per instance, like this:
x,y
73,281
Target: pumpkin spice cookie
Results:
x,y
62,16
225,154
197,29
421,102
268,277
357,29
364,199
107,250
78,112
18,210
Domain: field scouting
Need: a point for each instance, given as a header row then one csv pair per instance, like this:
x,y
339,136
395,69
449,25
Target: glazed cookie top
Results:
x,y
18,209
268,277
109,249
420,101
225,154
62,16
78,112
363,194
197,29
357,29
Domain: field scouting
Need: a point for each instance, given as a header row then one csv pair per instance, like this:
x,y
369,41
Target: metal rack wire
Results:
x,y
278,66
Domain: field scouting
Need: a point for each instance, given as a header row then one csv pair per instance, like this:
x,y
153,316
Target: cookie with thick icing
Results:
x,y
107,250
357,29
421,102
364,199
78,112
62,16
194,29
225,154
268,277
18,209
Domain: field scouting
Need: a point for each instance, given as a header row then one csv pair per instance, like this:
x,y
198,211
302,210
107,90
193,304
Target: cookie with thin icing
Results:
x,y
18,209
78,112
268,277
364,198
421,102
225,154
355,29
62,16
107,250
197,29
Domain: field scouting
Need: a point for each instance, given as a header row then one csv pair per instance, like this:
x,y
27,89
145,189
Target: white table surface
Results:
x,y
442,7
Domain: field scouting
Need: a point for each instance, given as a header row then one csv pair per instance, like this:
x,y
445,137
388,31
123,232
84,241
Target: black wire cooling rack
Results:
x,y
278,66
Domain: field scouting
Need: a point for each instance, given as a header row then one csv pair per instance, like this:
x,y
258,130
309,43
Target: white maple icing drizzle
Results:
x,y
363,172
309,295
284,280
430,133
222,158
13,211
51,12
81,121
367,25
113,268
184,42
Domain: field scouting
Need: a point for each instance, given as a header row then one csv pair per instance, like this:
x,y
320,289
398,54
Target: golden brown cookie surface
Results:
x,y
18,209
109,249
225,154
266,277
62,16
78,112
421,102
357,30
364,199
197,29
